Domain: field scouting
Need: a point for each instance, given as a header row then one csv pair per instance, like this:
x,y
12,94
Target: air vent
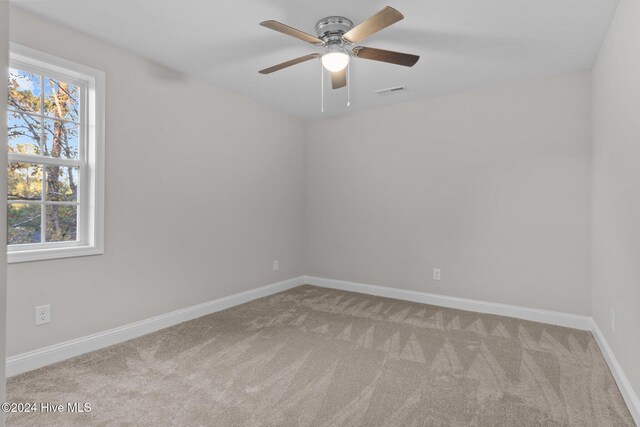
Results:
x,y
391,91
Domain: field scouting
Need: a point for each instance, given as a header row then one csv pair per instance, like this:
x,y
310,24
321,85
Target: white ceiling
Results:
x,y
463,44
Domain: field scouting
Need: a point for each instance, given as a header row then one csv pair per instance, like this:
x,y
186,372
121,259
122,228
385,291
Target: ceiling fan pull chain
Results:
x,y
348,85
321,89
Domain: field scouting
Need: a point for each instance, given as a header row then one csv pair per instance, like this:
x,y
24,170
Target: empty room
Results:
x,y
295,213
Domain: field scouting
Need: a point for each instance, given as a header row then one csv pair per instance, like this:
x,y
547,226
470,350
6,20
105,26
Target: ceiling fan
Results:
x,y
337,37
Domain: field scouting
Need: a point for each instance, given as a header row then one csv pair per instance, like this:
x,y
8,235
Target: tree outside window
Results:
x,y
44,125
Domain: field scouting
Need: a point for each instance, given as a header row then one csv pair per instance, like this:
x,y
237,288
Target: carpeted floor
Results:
x,y
314,356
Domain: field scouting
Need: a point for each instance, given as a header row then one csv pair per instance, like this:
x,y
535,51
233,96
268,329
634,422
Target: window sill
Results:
x,y
52,253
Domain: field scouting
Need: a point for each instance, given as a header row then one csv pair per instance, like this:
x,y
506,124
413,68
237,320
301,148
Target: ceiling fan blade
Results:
x,y
377,22
290,31
398,58
339,79
289,63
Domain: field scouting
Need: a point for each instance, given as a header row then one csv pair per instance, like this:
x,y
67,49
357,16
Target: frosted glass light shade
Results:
x,y
335,60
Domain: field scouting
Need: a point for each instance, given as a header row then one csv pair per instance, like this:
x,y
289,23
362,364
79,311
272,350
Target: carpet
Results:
x,y
319,357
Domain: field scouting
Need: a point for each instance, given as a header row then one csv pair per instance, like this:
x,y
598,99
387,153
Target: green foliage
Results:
x,y
24,223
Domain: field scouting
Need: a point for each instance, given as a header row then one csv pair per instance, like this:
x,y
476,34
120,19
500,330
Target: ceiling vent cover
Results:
x,y
391,91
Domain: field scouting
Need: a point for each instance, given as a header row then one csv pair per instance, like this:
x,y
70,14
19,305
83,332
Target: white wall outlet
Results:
x,y
43,314
613,319
276,265
436,274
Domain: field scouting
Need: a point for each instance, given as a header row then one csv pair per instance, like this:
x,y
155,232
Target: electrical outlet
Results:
x,y
276,265
436,274
613,319
43,314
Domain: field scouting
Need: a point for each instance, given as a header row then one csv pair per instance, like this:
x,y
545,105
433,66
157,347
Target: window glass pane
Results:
x,y
25,181
61,223
61,99
23,223
24,133
61,139
62,183
24,91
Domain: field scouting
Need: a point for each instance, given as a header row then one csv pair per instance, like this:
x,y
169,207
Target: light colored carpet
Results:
x,y
314,356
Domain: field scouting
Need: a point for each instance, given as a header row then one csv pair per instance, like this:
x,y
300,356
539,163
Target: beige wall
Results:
x,y
4,44
173,239
492,187
616,188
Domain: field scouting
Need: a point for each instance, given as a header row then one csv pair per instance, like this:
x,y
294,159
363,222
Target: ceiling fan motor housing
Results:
x,y
332,28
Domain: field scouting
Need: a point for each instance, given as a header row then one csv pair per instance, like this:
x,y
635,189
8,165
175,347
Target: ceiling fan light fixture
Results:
x,y
335,59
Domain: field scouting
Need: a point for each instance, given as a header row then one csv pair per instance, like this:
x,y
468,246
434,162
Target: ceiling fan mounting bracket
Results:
x,y
332,28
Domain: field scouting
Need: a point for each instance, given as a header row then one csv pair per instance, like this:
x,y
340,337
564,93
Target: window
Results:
x,y
55,118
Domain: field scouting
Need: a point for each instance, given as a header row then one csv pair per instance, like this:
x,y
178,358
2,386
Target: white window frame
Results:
x,y
90,230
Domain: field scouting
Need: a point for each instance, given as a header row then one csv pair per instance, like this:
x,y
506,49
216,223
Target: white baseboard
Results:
x,y
537,315
629,395
45,356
